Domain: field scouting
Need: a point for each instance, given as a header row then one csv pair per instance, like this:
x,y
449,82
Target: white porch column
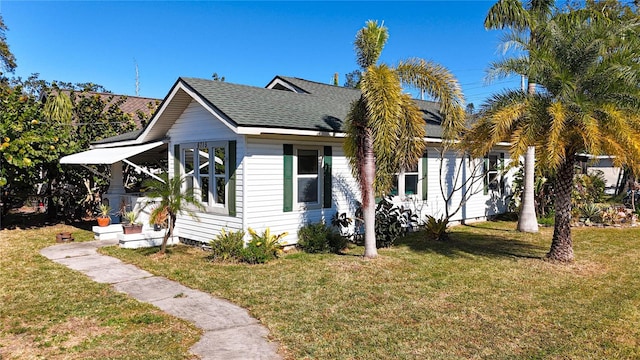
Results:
x,y
116,188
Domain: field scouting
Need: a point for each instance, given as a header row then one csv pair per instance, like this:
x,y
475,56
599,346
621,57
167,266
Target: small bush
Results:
x,y
337,242
548,220
392,222
227,246
314,238
319,238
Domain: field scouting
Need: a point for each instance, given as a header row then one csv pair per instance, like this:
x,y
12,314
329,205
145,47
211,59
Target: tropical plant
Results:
x,y
227,246
262,247
521,18
590,213
173,199
385,127
588,70
131,217
104,210
436,228
392,222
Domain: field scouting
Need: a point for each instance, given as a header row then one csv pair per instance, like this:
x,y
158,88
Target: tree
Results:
x,y
385,129
7,58
514,15
173,201
587,68
352,79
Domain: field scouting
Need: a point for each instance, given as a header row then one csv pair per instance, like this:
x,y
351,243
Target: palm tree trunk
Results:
x,y
368,198
527,221
168,233
561,245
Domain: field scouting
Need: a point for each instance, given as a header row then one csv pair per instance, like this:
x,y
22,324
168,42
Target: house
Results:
x,y
273,157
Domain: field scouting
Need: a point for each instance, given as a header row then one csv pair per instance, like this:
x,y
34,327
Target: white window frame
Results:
x,y
488,172
211,205
402,182
319,174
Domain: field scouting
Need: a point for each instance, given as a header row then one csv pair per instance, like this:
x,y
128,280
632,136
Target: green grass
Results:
x,y
48,311
486,293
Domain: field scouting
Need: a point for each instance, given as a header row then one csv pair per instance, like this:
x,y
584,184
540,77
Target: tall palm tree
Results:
x,y
173,200
385,128
518,17
589,103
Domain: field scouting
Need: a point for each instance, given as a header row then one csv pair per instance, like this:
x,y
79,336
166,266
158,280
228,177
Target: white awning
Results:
x,y
108,155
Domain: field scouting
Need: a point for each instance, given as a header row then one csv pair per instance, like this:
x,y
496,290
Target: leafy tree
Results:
x,y
7,58
385,128
353,79
33,139
173,201
587,68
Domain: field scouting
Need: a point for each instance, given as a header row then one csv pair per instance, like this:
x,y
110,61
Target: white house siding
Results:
x,y
478,207
265,186
194,125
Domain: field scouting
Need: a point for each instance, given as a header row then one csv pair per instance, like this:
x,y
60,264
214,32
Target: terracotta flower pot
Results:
x,y
131,229
103,221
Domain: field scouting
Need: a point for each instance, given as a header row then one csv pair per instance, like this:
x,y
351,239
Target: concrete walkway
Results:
x,y
229,331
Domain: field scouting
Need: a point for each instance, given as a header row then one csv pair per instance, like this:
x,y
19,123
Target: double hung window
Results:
x,y
205,171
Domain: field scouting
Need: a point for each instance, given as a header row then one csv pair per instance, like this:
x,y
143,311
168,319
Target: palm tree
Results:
x,y
173,200
589,103
513,14
385,128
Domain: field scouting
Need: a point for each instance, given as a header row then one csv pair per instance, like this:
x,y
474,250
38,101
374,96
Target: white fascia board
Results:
x,y
157,115
115,144
280,131
285,84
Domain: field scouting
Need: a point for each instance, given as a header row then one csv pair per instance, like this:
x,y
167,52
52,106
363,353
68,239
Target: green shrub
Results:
x,y
392,222
548,220
319,238
590,213
337,242
314,238
262,247
227,246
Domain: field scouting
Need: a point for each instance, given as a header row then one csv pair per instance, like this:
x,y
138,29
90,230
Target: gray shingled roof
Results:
x,y
323,107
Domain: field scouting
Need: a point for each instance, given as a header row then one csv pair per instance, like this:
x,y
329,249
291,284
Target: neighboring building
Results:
x,y
273,157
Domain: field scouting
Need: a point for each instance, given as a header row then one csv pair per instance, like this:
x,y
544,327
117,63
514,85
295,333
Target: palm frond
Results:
x,y
370,41
439,84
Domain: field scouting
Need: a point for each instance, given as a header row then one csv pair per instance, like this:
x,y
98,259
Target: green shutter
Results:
x,y
485,173
176,160
231,205
288,178
425,174
501,173
326,166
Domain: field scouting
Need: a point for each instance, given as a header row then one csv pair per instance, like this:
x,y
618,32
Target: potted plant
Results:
x,y
103,218
131,226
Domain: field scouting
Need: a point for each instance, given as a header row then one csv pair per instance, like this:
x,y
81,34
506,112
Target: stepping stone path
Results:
x,y
229,331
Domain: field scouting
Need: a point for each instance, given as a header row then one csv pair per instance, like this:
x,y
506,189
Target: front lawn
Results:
x,y
48,311
486,293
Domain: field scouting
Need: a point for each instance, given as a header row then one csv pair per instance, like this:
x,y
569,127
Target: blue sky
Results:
x,y
246,42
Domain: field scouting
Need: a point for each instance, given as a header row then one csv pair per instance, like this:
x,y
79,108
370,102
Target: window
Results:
x,y
492,180
406,183
308,176
208,182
